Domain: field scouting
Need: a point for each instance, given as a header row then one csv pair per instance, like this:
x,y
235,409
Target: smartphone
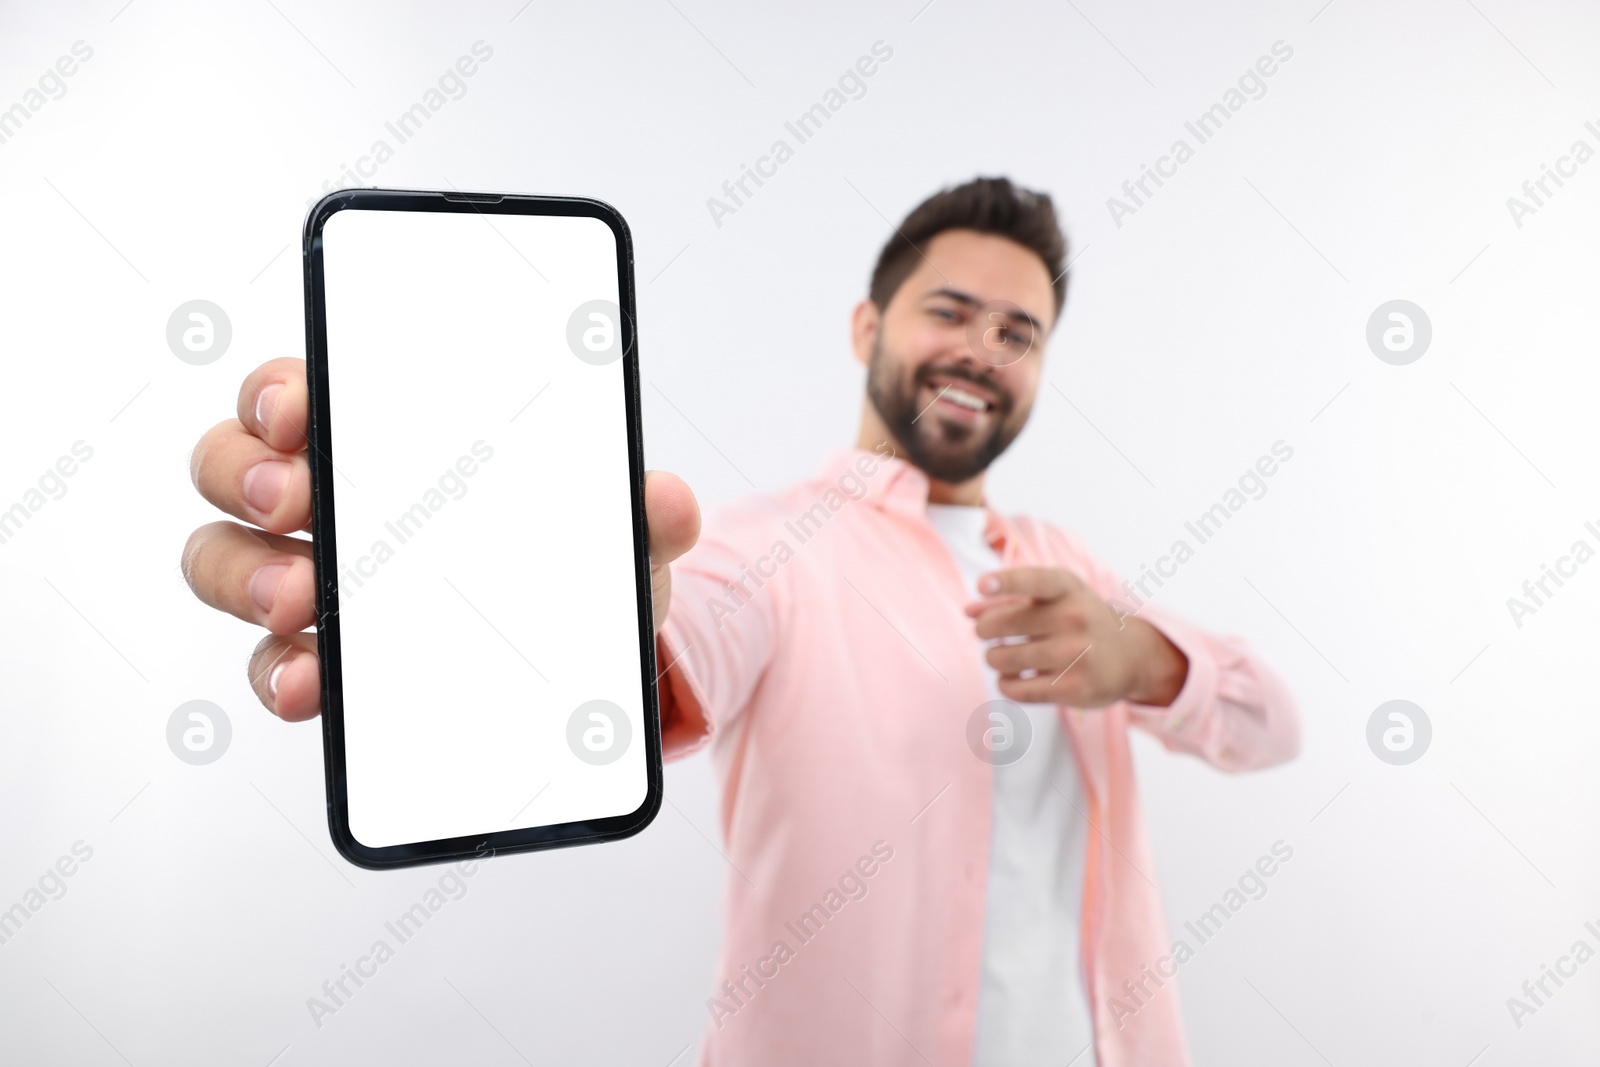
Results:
x,y
477,472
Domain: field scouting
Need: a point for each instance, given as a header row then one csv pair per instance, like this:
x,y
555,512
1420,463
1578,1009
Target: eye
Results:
x,y
947,314
1003,332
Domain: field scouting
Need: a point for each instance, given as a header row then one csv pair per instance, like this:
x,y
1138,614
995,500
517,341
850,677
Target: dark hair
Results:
x,y
987,205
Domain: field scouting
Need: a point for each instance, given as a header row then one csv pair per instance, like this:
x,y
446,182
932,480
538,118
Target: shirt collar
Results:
x,y
897,485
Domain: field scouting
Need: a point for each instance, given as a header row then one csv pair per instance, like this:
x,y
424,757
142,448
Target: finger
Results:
x,y
272,403
1041,583
672,516
286,677
250,480
264,578
1040,690
1027,618
1048,656
978,607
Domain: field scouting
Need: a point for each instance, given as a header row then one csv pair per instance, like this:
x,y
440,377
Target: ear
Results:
x,y
865,321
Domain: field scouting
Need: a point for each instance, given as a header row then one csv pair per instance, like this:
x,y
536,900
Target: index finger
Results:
x,y
1040,583
272,403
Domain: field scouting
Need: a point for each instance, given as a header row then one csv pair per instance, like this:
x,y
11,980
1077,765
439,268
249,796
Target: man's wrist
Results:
x,y
1161,668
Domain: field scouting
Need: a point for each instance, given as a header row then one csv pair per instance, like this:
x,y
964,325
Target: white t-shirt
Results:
x,y
1032,1006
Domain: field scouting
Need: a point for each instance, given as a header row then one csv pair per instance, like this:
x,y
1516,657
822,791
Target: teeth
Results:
x,y
965,399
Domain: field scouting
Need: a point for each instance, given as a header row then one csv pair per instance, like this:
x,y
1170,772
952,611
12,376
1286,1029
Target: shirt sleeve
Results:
x,y
720,629
1233,711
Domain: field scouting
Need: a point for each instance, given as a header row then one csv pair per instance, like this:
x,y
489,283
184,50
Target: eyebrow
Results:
x,y
968,300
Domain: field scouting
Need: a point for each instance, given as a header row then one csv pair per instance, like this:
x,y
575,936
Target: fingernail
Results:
x,y
267,403
988,583
264,484
264,584
273,677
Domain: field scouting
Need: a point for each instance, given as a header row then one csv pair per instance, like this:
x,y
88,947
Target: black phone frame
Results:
x,y
320,451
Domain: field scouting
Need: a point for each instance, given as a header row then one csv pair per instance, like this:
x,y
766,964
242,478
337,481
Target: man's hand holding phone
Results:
x,y
254,468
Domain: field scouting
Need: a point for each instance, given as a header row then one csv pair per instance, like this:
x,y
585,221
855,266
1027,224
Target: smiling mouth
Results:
x,y
962,393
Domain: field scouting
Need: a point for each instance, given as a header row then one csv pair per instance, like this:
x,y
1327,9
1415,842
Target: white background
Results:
x,y
1228,313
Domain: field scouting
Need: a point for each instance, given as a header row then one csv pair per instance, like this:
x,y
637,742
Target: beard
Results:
x,y
946,451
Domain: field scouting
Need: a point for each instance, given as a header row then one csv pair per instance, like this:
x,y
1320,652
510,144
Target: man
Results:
x,y
918,707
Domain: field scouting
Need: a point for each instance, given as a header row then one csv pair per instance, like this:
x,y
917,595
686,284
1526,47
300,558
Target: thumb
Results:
x,y
672,517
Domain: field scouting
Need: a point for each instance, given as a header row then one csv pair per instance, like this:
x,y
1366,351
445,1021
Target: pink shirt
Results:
x,y
816,642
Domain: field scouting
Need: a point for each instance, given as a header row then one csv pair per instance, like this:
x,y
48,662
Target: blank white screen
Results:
x,y
483,523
